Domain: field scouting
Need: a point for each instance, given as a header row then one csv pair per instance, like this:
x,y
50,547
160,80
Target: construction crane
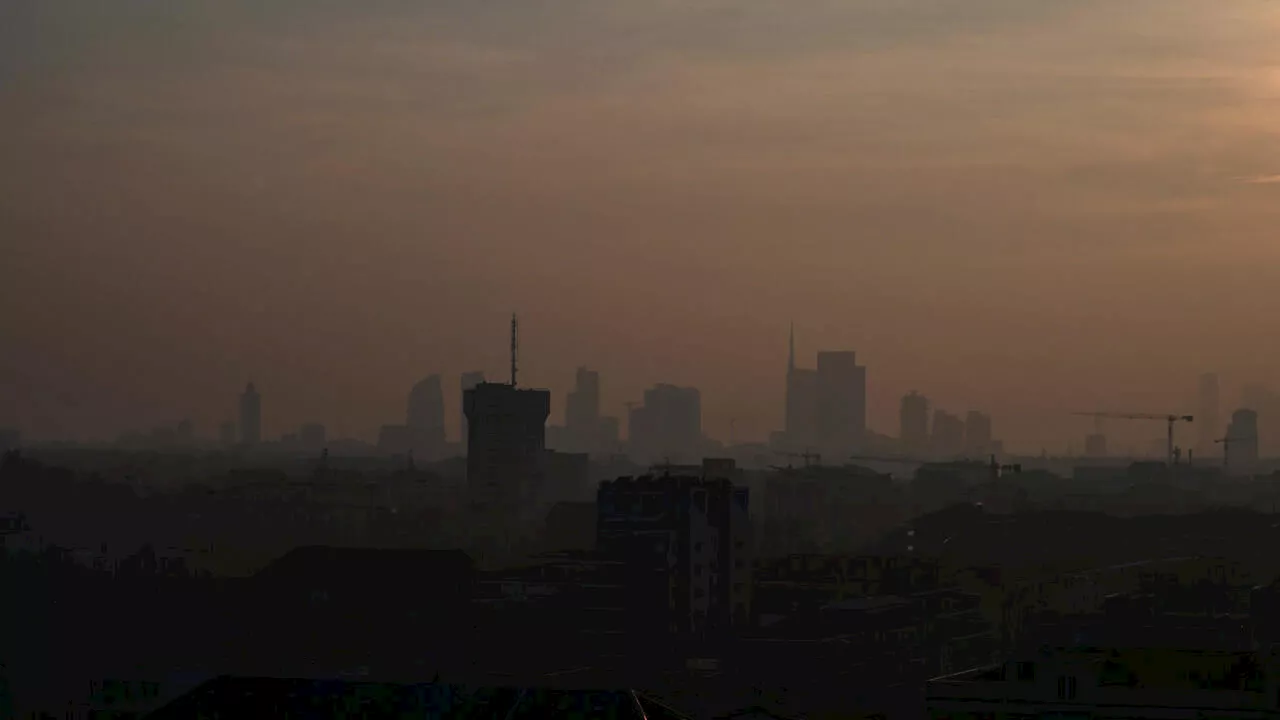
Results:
x,y
806,456
1226,448
1170,419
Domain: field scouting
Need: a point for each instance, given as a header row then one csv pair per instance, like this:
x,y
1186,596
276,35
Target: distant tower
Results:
x,y
1243,441
800,426
582,413
913,422
425,418
250,417
469,380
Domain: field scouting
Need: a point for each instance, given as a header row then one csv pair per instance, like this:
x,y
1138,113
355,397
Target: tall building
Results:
x,y
1266,403
800,429
913,422
1242,447
977,434
668,426
842,403
948,434
469,380
1207,420
687,542
425,419
250,416
506,440
582,413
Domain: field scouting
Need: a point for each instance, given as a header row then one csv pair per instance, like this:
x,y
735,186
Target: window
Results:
x,y
1026,672
1066,688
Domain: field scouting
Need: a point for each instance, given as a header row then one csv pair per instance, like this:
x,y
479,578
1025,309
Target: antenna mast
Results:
x,y
515,327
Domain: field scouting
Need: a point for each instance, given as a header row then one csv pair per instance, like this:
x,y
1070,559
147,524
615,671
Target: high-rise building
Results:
x,y
250,417
1266,403
977,434
842,402
668,426
1242,438
425,419
582,413
469,380
913,422
1207,422
948,434
801,431
506,428
688,543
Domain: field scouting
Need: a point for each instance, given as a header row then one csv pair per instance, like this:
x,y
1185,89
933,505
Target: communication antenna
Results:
x,y
515,328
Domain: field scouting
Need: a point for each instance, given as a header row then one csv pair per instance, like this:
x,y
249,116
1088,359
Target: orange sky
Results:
x,y
1020,207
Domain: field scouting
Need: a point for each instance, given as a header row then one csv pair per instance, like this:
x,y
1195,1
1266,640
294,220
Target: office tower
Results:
x,y
1207,421
801,402
469,380
841,403
582,412
250,417
1242,441
948,434
425,419
506,438
227,434
1266,403
913,422
687,543
977,434
668,426
312,437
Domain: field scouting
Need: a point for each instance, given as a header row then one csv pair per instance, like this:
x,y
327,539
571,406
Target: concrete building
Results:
x,y
947,440
800,430
250,417
913,422
469,380
688,542
1242,434
425,419
977,434
506,445
842,403
668,426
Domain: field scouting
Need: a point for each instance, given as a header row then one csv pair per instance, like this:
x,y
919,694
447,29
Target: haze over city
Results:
x,y
1024,208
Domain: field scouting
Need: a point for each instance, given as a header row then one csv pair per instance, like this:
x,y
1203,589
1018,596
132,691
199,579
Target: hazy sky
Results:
x,y
1018,206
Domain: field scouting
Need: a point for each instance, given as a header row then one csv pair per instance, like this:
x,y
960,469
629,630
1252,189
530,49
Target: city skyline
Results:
x,y
657,187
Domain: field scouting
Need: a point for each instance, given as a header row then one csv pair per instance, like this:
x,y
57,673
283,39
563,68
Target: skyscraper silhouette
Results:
x,y
506,444
425,419
841,402
913,422
668,426
469,380
801,401
250,417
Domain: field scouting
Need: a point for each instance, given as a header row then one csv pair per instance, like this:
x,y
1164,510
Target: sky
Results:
x,y
1020,207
